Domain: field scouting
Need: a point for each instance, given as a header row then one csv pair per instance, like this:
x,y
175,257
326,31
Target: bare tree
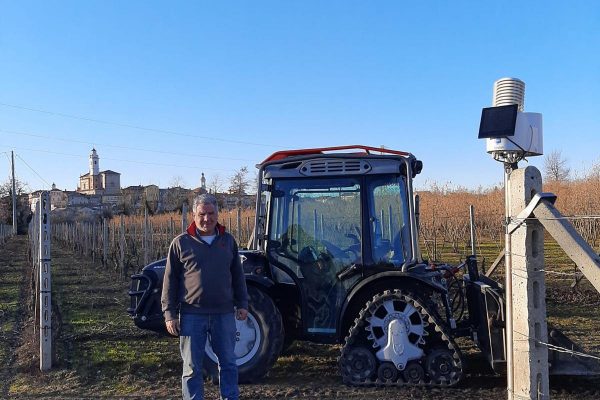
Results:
x,y
23,210
177,181
239,184
215,185
594,171
6,187
555,167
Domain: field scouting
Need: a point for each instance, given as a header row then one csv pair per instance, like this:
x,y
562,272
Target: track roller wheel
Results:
x,y
413,373
359,364
387,372
440,365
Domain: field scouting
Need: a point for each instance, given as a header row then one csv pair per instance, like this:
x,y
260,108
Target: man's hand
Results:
x,y
173,327
241,314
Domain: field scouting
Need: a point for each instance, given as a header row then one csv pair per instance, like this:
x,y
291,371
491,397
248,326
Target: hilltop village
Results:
x,y
101,191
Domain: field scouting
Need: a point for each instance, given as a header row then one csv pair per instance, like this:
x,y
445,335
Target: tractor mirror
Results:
x,y
417,167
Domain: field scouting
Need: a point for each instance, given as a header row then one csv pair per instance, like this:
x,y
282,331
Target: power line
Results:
x,y
129,161
34,171
122,147
169,132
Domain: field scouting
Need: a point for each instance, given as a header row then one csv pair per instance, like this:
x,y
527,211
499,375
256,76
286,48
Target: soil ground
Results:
x,y
101,354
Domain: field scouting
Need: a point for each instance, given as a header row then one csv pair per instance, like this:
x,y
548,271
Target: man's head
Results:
x,y
206,212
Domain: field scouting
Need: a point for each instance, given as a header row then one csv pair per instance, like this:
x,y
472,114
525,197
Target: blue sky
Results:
x,y
220,85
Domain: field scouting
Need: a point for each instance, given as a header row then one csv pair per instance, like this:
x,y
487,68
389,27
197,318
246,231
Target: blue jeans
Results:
x,y
192,339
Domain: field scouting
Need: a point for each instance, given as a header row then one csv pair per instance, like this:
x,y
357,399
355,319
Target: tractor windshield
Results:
x,y
313,216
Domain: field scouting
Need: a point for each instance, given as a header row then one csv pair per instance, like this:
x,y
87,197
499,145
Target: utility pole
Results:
x,y
14,194
527,326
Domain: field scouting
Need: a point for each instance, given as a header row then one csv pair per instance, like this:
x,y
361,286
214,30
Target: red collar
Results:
x,y
192,229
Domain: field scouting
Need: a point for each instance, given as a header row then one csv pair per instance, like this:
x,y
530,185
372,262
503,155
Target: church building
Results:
x,y
106,183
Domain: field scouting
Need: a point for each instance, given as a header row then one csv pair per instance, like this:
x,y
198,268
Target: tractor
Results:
x,y
334,258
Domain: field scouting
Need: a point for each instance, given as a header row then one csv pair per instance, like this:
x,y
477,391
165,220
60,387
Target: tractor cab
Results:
x,y
326,220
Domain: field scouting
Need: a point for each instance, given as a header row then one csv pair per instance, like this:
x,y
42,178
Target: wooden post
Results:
x,y
93,240
248,228
133,235
145,237
472,220
45,283
526,270
151,247
184,212
104,242
113,247
239,224
122,247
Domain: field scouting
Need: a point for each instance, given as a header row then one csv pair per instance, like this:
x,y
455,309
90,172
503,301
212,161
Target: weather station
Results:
x,y
532,346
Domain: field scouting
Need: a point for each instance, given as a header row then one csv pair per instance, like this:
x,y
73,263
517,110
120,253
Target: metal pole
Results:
x,y
381,219
45,284
322,227
390,225
508,286
14,194
315,227
472,217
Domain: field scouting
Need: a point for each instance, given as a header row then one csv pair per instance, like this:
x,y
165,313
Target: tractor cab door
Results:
x,y
389,223
315,231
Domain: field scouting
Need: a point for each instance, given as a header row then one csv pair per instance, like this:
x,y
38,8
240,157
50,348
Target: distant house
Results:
x,y
34,198
233,201
172,199
58,198
75,199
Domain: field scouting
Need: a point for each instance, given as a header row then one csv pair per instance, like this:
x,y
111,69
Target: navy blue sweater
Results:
x,y
203,278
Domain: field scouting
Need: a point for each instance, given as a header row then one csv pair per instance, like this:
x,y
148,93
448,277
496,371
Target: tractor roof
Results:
x,y
353,149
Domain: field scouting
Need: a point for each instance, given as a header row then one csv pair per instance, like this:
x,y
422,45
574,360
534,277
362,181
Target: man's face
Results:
x,y
205,218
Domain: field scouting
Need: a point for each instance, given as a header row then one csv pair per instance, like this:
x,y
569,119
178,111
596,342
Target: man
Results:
x,y
203,288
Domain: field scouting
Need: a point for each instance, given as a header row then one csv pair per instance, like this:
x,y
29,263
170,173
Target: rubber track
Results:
x,y
358,329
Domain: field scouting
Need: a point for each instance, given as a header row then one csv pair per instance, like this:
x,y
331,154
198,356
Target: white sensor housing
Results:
x,y
527,139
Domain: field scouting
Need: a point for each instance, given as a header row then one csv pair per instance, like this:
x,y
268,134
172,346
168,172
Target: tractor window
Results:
x,y
317,216
315,230
388,217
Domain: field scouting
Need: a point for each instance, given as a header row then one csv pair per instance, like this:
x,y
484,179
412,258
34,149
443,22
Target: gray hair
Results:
x,y
205,199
